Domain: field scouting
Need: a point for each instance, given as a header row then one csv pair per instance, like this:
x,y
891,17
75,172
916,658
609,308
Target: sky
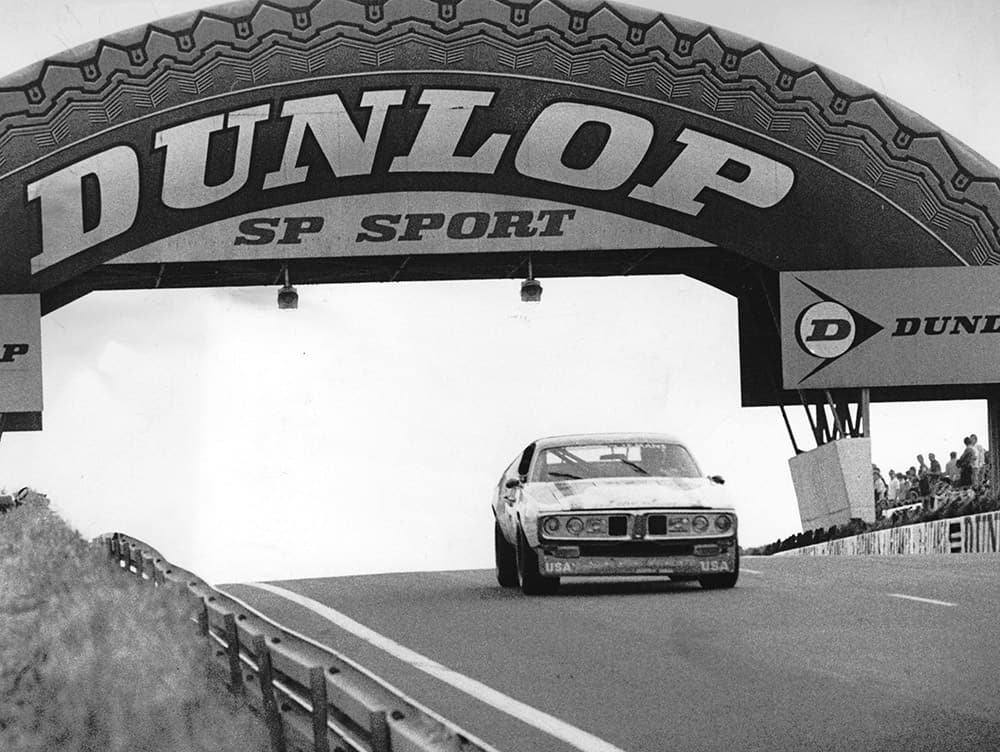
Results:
x,y
365,431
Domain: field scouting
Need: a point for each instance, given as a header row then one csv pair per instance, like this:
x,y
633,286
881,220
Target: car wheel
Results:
x,y
720,581
506,558
531,580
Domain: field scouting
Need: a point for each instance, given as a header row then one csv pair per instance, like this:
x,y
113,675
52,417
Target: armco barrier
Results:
x,y
312,698
972,534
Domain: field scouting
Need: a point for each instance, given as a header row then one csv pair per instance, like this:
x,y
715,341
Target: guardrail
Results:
x,y
312,698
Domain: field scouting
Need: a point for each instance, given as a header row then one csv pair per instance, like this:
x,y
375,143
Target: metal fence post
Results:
x,y
317,690
380,732
266,677
203,619
233,649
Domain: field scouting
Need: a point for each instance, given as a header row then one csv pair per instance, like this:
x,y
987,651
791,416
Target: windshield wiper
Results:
x,y
566,475
637,466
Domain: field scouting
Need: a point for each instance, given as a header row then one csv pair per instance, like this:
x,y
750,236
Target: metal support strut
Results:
x,y
838,416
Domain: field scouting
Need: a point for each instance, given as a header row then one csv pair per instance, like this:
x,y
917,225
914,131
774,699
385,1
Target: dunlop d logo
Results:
x,y
828,329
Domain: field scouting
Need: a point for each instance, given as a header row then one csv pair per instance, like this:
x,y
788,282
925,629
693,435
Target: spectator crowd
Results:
x,y
928,484
922,493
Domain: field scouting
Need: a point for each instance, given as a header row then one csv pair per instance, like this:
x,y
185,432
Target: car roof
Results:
x,y
576,439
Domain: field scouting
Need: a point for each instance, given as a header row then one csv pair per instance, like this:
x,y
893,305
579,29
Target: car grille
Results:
x,y
595,526
656,524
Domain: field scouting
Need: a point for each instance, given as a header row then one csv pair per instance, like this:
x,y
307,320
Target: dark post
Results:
x,y
203,619
233,650
993,440
380,732
317,691
866,429
266,677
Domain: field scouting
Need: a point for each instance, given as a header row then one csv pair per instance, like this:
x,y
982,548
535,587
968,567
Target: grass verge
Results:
x,y
92,659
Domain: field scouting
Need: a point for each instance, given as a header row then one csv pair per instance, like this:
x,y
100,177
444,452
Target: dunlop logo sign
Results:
x,y
890,327
460,134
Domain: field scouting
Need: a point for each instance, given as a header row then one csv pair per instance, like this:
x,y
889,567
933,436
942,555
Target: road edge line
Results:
x,y
566,732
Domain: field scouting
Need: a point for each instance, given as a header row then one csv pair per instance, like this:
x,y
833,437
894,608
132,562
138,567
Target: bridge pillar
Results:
x,y
833,482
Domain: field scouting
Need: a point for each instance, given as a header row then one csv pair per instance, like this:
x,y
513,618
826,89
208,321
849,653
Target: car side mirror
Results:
x,y
717,479
512,483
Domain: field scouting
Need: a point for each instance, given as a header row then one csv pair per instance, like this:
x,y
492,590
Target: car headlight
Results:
x,y
597,525
574,525
723,522
551,525
700,524
678,524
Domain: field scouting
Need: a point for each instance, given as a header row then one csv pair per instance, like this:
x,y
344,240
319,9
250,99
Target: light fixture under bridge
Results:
x,y
288,298
531,288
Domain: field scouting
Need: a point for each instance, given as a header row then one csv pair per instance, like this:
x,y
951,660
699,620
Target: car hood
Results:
x,y
625,493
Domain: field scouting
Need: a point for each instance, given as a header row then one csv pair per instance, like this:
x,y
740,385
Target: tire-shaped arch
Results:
x,y
875,184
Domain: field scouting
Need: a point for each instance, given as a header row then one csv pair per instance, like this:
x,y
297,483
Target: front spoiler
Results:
x,y
624,566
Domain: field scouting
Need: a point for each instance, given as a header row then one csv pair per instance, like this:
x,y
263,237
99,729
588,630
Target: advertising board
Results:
x,y
970,534
341,142
20,354
210,147
890,327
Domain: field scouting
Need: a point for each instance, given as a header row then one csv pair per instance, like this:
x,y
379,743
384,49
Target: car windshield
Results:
x,y
619,460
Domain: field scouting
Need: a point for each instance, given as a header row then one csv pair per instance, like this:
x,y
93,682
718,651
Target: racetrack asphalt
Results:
x,y
889,653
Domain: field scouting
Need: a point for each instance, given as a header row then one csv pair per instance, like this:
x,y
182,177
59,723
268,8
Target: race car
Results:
x,y
611,505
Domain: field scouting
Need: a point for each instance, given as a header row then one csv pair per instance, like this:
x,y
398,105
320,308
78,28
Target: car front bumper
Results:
x,y
558,564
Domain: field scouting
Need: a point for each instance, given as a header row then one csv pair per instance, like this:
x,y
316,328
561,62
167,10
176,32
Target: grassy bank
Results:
x,y
92,659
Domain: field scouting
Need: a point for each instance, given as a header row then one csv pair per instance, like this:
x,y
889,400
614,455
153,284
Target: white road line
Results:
x,y
575,737
750,571
921,600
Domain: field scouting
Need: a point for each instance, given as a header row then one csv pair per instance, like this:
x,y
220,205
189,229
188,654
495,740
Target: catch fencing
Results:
x,y
312,698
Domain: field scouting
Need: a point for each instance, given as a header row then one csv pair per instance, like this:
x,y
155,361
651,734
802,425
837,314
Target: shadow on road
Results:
x,y
627,586
576,588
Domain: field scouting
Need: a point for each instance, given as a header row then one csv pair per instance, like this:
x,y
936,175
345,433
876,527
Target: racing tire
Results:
x,y
722,581
532,582
506,559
